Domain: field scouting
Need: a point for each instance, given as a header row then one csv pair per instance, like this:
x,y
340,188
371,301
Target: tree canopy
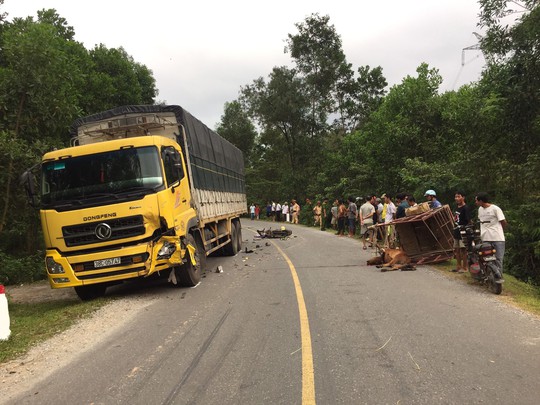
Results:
x,y
329,130
47,80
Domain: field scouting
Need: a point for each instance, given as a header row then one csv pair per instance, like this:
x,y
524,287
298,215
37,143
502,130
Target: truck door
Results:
x,y
177,183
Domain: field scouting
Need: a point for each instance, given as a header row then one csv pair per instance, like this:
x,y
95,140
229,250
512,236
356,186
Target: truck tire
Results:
x,y
189,275
230,249
239,234
90,292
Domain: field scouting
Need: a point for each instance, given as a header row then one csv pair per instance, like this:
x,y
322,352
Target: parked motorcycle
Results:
x,y
481,257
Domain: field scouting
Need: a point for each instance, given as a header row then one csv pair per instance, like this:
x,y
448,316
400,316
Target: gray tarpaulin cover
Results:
x,y
216,164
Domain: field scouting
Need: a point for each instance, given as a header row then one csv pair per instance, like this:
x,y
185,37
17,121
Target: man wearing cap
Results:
x,y
431,196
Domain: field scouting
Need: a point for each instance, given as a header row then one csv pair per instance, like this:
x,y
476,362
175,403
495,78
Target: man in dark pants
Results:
x,y
462,216
492,227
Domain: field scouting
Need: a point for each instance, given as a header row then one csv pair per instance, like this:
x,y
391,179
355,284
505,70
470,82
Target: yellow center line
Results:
x,y
308,378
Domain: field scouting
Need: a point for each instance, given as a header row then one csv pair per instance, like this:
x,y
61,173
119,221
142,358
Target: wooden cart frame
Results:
x,y
426,237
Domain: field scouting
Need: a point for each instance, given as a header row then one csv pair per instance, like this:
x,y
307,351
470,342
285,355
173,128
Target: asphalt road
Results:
x,y
363,337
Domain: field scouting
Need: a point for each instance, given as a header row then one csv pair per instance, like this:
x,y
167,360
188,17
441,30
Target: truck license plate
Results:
x,y
106,262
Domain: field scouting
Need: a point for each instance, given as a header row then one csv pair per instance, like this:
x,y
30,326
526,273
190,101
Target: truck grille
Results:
x,y
85,234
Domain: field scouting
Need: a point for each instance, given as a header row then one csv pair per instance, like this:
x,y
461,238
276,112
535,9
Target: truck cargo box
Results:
x,y
215,166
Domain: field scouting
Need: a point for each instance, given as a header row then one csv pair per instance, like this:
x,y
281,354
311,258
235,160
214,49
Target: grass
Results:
x,y
34,323
517,293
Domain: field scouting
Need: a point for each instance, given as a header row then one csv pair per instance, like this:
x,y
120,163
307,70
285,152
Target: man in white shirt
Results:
x,y
366,220
492,226
389,217
390,209
278,212
285,211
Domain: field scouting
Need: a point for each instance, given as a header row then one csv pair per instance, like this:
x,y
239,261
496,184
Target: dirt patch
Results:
x,y
39,291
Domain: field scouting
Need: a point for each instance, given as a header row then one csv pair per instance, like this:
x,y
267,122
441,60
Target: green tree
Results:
x,y
404,126
118,80
37,90
47,79
510,87
237,128
279,108
318,55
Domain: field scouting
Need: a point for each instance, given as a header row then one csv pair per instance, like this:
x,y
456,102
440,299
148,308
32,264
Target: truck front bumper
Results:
x,y
112,265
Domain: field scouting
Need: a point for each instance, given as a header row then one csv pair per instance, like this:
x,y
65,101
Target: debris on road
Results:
x,y
282,233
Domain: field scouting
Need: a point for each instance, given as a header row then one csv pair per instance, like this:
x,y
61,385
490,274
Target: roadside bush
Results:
x,y
522,257
18,270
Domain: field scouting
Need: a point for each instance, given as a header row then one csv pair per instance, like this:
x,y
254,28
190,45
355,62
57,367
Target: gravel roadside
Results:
x,y
20,375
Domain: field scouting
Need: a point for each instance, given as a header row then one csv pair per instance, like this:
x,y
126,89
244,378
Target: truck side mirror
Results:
x,y
28,181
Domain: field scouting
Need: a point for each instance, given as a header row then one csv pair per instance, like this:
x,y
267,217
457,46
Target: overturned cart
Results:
x,y
427,237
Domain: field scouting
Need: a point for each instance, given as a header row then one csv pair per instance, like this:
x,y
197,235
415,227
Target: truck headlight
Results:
x,y
53,267
166,250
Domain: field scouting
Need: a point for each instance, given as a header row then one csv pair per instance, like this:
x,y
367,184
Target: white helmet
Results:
x,y
430,192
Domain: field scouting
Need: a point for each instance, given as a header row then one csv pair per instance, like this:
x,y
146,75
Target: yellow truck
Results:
x,y
142,190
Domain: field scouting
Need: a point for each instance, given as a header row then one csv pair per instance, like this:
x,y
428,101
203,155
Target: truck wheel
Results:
x,y
239,235
189,275
230,249
90,292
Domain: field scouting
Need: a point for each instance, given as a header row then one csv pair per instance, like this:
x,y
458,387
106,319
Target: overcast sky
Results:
x,y
202,51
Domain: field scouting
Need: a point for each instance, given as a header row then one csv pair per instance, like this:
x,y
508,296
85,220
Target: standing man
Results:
x,y
462,216
390,208
252,211
317,211
492,224
295,211
367,210
285,212
324,213
278,212
352,212
307,209
388,218
401,199
431,196
334,212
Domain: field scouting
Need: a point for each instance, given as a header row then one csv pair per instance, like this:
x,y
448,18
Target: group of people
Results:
x,y
366,212
344,216
277,211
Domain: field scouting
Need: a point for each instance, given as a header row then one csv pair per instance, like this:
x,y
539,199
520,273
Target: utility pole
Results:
x,y
474,47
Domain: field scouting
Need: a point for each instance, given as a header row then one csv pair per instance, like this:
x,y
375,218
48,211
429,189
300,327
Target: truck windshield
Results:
x,y
108,175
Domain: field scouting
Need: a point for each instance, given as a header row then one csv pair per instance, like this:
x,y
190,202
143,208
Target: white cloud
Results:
x,y
202,52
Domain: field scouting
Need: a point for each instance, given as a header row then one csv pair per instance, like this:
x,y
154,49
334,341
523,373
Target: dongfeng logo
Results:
x,y
103,231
